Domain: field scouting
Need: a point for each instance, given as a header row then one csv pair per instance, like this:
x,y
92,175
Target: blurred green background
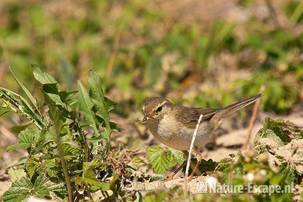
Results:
x,y
202,53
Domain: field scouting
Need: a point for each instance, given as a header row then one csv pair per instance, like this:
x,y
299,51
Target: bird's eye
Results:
x,y
159,109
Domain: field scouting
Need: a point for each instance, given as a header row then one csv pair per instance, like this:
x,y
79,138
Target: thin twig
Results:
x,y
191,148
252,122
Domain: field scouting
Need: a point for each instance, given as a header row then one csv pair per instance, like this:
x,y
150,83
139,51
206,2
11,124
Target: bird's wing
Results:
x,y
190,116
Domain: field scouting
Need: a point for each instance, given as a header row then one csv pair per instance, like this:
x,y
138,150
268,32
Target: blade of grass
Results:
x,y
18,104
32,100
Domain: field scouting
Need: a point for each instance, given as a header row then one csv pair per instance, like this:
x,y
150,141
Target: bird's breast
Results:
x,y
174,134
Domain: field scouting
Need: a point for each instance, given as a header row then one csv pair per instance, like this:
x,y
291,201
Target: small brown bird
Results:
x,y
174,125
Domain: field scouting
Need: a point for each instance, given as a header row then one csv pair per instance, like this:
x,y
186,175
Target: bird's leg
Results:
x,y
171,175
195,169
195,166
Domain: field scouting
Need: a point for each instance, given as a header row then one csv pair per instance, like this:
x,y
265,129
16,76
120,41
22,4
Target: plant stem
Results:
x,y
252,121
83,141
63,163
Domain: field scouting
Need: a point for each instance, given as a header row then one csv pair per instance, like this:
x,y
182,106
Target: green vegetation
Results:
x,y
130,47
60,152
75,74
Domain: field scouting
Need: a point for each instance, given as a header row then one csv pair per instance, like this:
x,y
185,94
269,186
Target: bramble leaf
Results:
x,y
27,139
24,188
163,159
16,174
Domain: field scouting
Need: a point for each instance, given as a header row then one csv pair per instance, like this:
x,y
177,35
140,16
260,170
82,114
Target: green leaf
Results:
x,y
95,85
178,157
24,188
31,166
19,191
162,159
70,148
32,100
97,185
50,167
27,139
41,186
16,174
19,105
53,95
43,77
86,105
56,99
89,176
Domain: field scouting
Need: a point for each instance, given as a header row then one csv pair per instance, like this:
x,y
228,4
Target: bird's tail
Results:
x,y
229,110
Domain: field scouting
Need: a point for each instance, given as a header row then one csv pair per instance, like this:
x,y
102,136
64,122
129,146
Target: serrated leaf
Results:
x,y
19,191
178,157
27,138
50,167
24,188
31,166
161,159
41,186
16,174
70,148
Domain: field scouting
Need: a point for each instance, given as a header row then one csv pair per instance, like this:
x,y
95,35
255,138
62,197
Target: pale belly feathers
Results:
x,y
178,136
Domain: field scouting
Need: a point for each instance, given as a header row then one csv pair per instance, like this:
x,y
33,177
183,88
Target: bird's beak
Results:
x,y
145,118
